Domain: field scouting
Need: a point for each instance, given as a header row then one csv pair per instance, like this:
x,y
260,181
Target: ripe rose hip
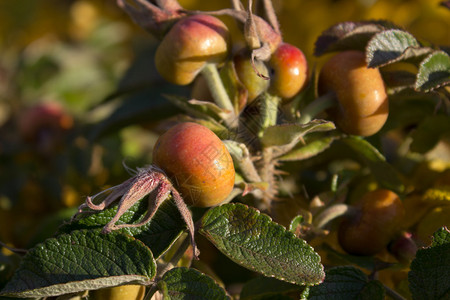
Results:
x,y
377,220
191,43
289,71
199,166
363,104
198,163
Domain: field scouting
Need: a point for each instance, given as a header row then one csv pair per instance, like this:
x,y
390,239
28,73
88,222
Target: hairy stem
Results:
x,y
268,112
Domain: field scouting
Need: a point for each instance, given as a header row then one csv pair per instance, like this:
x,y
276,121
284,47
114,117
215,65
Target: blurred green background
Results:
x,y
81,55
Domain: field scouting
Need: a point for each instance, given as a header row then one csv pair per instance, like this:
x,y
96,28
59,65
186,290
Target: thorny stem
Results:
x,y
241,156
269,114
248,168
267,170
317,106
217,88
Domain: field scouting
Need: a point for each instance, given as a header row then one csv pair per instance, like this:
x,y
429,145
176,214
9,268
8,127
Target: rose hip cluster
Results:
x,y
190,163
197,40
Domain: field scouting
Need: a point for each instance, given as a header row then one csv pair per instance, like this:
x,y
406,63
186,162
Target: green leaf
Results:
x,y
393,45
263,287
346,283
79,261
195,108
309,150
254,241
434,72
429,132
158,234
349,36
441,237
291,134
383,172
430,270
187,283
211,109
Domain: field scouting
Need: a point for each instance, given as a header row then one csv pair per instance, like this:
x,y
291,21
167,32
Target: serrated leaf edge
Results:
x,y
289,232
78,286
426,60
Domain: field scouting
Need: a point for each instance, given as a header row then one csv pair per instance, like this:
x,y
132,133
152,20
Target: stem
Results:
x,y
216,87
176,256
317,106
152,290
269,112
170,265
332,213
305,293
393,294
14,250
267,170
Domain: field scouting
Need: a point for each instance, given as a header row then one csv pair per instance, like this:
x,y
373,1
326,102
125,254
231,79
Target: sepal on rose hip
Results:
x,y
156,19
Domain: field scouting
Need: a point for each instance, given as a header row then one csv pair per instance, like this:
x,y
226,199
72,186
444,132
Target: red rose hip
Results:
x,y
289,71
197,162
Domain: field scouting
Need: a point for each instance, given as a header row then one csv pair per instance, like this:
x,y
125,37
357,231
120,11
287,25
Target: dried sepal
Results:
x,y
145,181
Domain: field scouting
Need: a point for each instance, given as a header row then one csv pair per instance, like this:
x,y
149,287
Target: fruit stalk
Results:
x,y
216,87
332,213
317,106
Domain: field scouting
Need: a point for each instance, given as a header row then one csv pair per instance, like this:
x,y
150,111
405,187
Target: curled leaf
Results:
x,y
393,45
434,72
349,36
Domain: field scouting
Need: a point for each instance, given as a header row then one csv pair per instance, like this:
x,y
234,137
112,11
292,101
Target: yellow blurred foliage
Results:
x,y
302,21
